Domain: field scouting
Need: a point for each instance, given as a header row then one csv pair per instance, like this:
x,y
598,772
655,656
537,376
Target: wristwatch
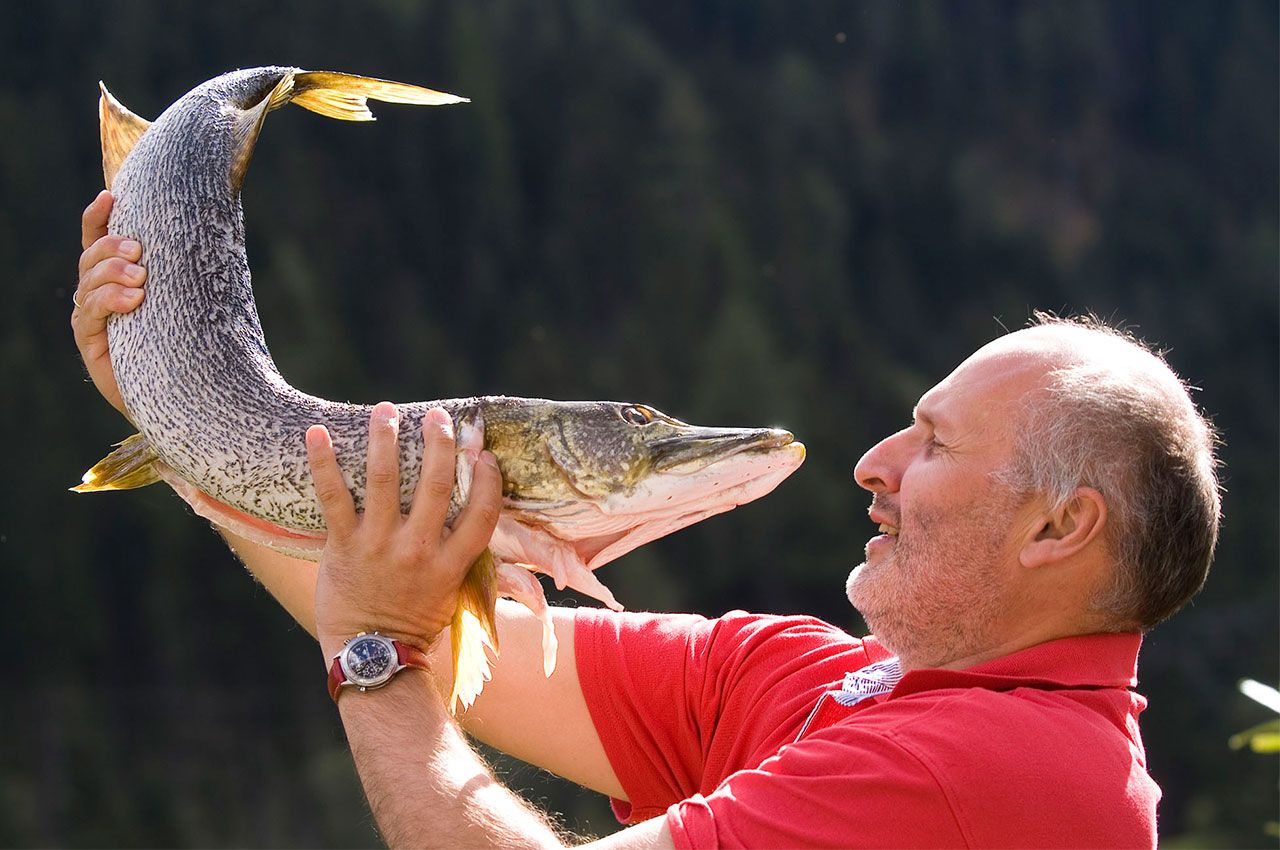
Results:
x,y
368,661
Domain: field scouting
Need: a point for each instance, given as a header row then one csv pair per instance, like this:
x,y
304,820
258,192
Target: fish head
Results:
x,y
607,477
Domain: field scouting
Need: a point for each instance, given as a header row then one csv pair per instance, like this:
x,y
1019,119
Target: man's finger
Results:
x,y
382,467
473,528
91,317
110,270
336,504
93,223
435,486
109,246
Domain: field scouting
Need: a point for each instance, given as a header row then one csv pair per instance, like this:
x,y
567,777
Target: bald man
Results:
x,y
1054,498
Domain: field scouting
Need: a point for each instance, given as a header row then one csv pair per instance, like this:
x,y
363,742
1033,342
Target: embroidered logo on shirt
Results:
x,y
871,681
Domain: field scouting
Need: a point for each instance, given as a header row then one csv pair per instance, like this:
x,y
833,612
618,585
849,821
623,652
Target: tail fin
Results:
x,y
328,93
346,96
474,631
131,465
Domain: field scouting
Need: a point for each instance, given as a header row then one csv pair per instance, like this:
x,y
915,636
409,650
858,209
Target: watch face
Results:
x,y
369,660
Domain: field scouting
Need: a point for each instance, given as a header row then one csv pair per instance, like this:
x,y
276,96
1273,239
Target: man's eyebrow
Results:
x,y
927,419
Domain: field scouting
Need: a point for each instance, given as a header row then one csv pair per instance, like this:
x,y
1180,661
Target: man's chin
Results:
x,y
853,585
871,592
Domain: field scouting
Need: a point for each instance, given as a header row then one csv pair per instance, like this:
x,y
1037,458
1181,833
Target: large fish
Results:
x,y
583,482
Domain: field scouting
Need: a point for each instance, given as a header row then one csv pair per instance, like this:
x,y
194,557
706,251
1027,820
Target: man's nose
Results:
x,y
880,469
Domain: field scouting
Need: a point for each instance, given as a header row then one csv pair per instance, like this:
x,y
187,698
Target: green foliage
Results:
x,y
1263,738
799,214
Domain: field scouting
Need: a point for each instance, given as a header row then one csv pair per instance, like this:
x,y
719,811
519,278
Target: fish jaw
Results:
x,y
515,542
601,531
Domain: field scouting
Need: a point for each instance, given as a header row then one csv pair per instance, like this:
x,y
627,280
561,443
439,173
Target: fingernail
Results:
x,y
134,271
128,246
440,417
489,458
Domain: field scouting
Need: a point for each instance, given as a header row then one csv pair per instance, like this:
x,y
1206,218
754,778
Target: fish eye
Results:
x,y
636,415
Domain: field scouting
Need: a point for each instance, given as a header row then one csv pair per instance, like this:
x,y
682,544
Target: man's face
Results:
x,y
936,579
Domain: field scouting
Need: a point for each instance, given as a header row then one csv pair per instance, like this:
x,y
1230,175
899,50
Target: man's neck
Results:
x,y
964,658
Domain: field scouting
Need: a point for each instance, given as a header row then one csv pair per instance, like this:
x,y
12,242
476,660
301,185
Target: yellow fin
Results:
x,y
131,465
474,631
345,96
120,130
328,93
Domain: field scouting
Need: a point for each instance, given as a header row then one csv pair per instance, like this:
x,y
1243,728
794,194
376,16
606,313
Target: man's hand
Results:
x,y
110,282
400,575
382,570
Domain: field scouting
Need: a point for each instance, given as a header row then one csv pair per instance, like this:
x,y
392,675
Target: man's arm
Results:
x,y
427,788
400,575
543,721
292,581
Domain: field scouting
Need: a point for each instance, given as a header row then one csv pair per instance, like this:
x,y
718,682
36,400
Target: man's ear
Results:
x,y
1067,530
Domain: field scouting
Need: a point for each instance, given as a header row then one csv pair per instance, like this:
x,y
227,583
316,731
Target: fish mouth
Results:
x,y
698,448
701,487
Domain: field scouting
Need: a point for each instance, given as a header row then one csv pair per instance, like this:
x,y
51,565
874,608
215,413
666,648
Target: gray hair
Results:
x,y
1124,424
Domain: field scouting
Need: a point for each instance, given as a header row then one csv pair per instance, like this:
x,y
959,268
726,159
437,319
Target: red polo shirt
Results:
x,y
704,721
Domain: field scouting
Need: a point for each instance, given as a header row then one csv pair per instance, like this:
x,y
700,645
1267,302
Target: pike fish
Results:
x,y
584,482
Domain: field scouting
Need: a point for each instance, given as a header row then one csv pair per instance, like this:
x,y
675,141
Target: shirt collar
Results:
x,y
1083,661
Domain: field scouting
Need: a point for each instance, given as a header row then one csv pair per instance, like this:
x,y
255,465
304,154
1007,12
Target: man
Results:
x,y
1054,498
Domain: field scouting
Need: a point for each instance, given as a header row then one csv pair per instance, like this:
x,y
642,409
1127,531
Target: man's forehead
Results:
x,y
998,374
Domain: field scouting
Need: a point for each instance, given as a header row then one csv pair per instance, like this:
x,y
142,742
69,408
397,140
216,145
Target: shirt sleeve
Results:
x,y
839,787
641,675
681,702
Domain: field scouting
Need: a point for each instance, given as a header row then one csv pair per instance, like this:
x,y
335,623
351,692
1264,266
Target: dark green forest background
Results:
x,y
749,213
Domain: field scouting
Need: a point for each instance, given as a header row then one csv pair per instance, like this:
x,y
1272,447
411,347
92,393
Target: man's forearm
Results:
x,y
542,721
425,784
292,581
428,788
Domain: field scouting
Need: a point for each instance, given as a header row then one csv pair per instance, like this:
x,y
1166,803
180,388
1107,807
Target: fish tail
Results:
x,y
474,631
132,464
346,96
328,93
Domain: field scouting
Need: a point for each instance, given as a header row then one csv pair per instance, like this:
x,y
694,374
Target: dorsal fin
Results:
x,y
120,130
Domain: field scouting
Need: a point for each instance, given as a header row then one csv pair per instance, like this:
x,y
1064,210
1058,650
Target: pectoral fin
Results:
x,y
132,464
474,631
120,130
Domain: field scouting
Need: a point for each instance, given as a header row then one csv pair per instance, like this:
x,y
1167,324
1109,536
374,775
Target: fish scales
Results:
x,y
192,364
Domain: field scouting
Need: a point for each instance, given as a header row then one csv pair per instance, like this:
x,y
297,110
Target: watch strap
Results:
x,y
406,656
336,678
411,656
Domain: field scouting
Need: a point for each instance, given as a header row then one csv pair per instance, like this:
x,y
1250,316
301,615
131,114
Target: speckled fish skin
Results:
x,y
198,381
192,365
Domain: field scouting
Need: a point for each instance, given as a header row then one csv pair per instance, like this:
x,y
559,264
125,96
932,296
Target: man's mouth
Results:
x,y
891,530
